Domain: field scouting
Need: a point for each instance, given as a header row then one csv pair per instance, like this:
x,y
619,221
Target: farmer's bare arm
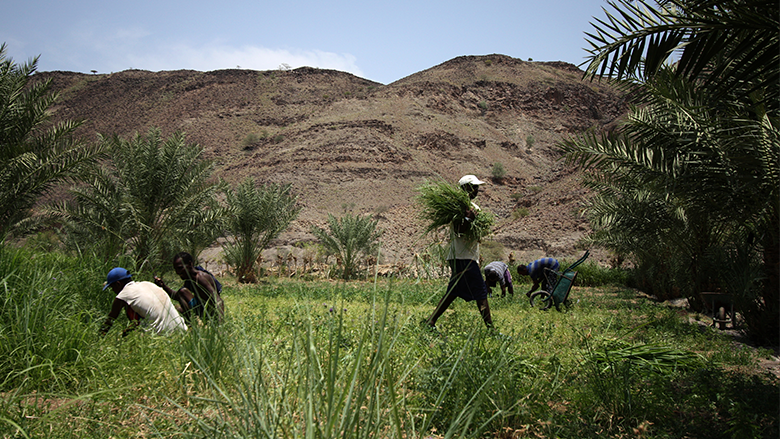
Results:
x,y
206,282
161,283
116,307
463,226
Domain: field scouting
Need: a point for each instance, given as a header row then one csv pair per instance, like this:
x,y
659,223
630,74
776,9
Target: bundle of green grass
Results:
x,y
443,204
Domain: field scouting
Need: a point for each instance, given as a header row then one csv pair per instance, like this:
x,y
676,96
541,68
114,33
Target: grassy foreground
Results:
x,y
321,359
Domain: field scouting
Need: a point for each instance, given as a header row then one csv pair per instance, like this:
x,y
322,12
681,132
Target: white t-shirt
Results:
x,y
460,247
153,304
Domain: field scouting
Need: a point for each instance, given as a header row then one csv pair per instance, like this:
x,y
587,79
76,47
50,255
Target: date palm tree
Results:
x,y
701,142
257,215
730,47
35,155
156,197
349,238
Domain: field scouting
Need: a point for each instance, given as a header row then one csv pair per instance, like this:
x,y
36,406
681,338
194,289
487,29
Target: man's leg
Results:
x,y
444,303
449,295
484,309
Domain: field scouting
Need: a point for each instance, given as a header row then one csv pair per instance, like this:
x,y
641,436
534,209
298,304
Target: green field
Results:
x,y
322,359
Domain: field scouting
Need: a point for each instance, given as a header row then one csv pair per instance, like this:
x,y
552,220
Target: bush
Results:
x,y
498,171
249,140
349,238
258,214
591,274
520,212
147,201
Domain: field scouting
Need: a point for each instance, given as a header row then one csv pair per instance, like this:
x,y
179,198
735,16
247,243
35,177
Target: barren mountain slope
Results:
x,y
347,143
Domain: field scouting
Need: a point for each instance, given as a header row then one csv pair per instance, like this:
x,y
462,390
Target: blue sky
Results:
x,y
380,41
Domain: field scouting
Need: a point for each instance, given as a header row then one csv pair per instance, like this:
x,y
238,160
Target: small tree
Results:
x,y
257,215
156,198
349,238
498,171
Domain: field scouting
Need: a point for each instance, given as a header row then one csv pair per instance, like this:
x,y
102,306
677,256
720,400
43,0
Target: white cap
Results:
x,y
469,179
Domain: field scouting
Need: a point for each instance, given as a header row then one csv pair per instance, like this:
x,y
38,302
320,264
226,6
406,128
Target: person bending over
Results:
x,y
536,271
497,272
141,301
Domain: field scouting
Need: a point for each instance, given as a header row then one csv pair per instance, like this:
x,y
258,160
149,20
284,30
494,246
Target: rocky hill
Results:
x,y
346,143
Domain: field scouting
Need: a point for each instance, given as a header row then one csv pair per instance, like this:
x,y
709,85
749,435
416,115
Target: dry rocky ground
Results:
x,y
349,144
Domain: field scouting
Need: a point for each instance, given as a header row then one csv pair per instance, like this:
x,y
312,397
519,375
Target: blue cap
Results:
x,y
116,274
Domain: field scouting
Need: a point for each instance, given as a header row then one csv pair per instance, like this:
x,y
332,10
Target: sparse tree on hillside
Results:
x,y
257,215
498,171
34,155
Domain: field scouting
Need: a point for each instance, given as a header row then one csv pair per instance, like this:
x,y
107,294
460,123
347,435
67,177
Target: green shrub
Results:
x,y
498,171
249,140
258,214
591,274
349,238
146,201
520,212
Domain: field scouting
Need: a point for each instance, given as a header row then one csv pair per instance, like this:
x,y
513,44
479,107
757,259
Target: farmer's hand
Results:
x,y
470,215
159,282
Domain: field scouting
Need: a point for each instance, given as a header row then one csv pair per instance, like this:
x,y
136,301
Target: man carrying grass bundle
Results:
x,y
447,206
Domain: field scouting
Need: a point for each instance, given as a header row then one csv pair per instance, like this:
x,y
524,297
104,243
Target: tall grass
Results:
x,y
321,383
350,359
591,274
44,343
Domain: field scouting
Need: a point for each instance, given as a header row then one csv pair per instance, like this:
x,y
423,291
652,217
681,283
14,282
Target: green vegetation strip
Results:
x,y
350,359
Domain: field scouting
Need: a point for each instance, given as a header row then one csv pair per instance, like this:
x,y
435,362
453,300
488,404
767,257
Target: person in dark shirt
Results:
x,y
200,293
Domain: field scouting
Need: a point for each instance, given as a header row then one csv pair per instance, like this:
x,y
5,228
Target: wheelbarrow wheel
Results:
x,y
541,300
721,318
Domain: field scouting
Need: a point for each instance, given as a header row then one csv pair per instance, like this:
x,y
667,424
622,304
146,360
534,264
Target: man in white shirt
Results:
x,y
466,279
141,301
